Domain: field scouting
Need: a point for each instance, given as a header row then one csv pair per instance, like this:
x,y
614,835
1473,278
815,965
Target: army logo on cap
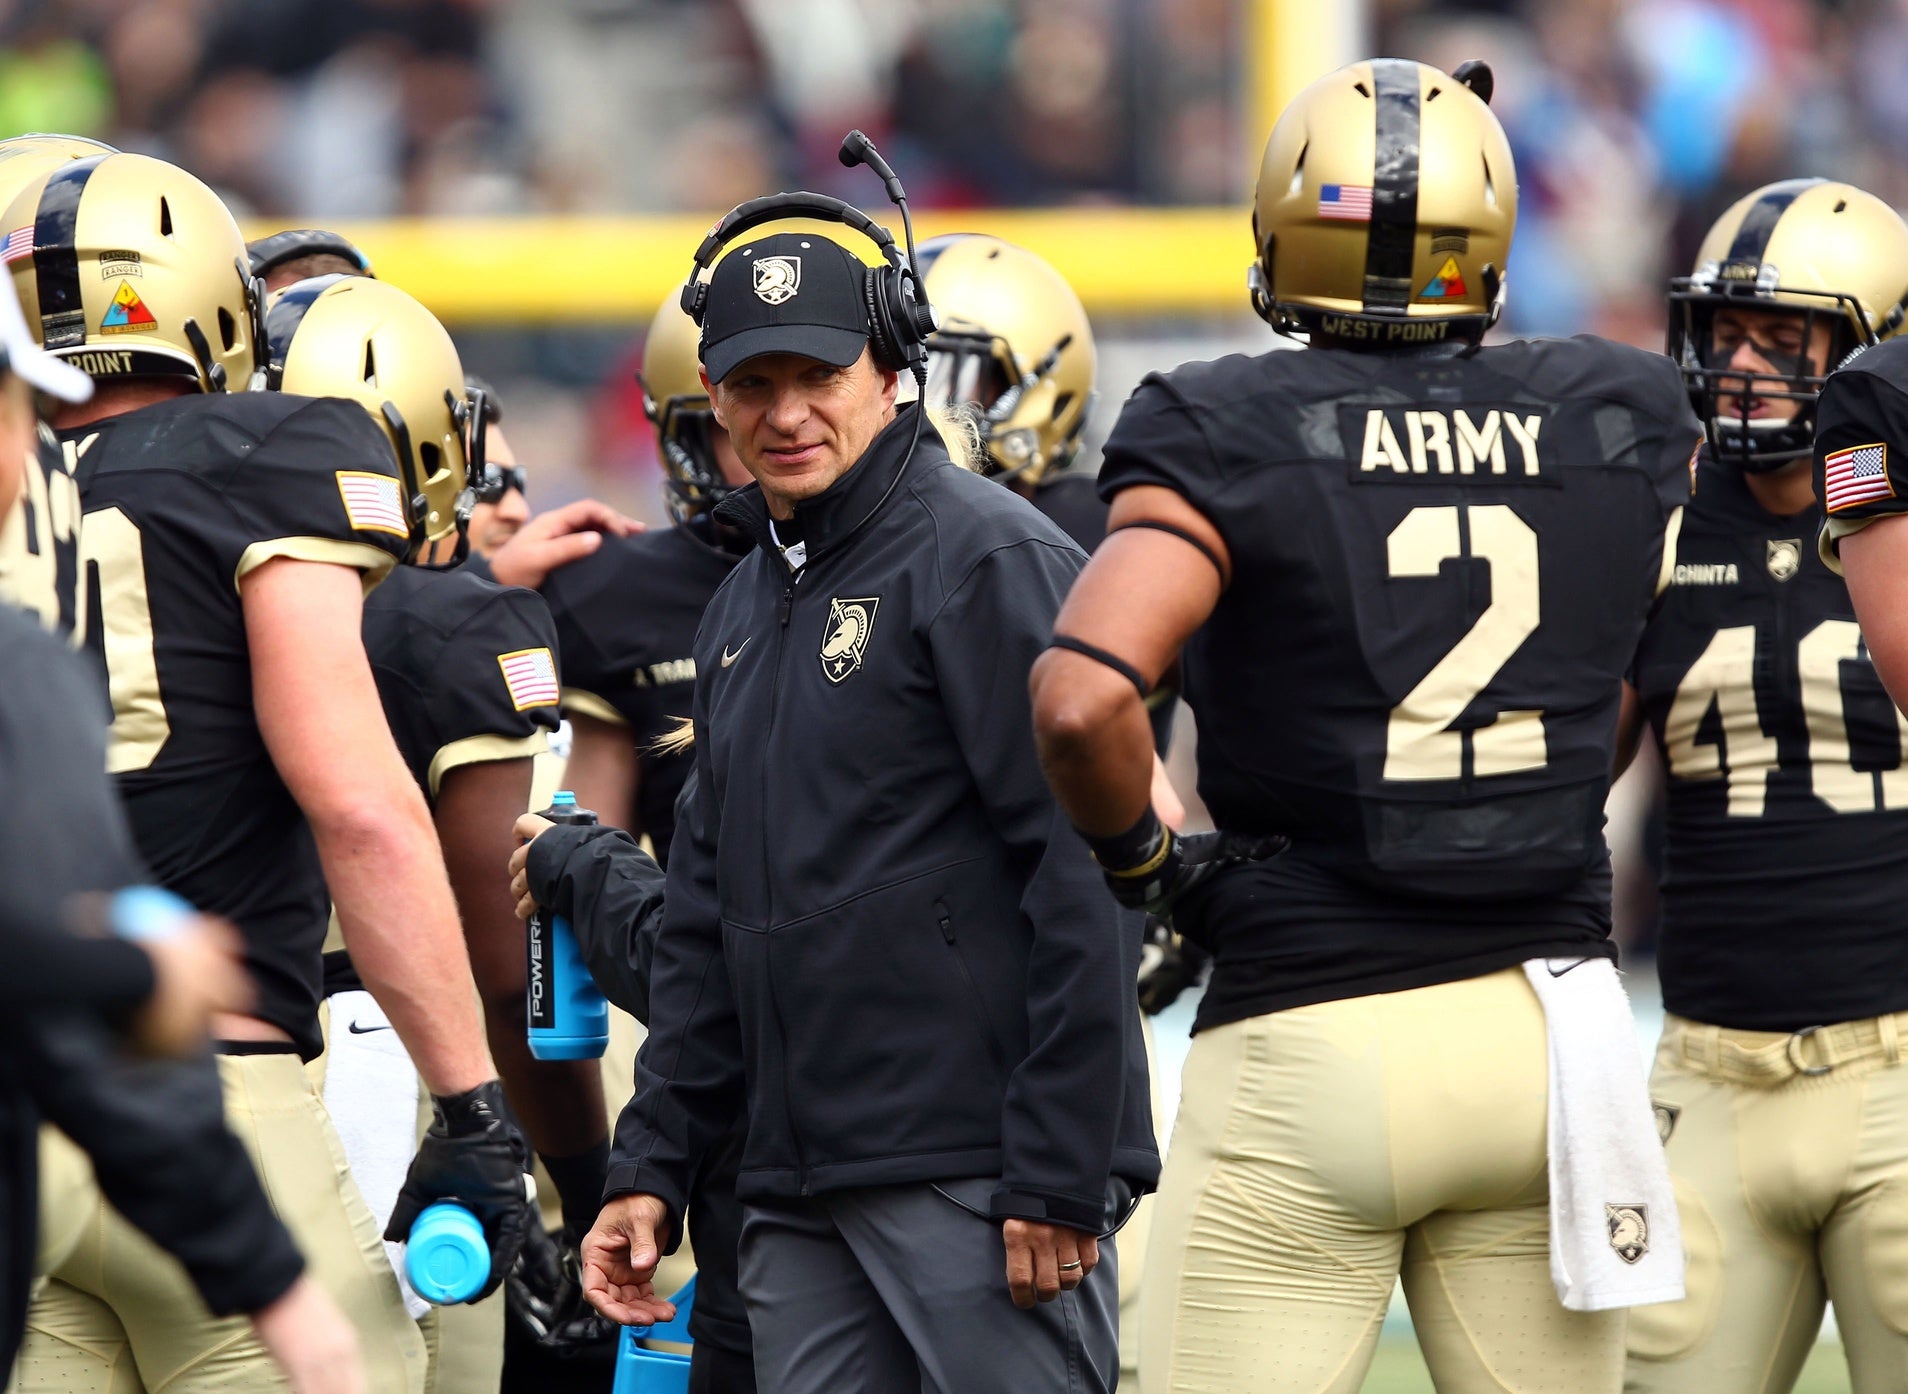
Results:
x,y
850,622
1629,1227
777,279
1785,557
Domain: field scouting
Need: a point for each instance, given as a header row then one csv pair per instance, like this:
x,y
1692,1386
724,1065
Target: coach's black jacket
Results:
x,y
879,924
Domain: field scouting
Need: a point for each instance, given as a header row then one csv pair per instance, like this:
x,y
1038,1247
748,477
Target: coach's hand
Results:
x,y
474,1155
529,828
198,971
311,1340
1042,1259
620,1255
555,539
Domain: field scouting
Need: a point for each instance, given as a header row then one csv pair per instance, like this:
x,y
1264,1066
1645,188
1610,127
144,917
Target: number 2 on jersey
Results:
x,y
1419,741
110,540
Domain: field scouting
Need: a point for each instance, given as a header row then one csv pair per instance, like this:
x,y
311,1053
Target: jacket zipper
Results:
x,y
995,1049
768,947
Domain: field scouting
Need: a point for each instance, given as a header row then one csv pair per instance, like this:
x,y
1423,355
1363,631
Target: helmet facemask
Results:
x,y
1724,395
975,374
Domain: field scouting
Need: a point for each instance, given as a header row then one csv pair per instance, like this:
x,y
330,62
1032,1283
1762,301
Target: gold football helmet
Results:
x,y
1014,346
677,405
127,266
1817,249
25,158
1384,208
366,340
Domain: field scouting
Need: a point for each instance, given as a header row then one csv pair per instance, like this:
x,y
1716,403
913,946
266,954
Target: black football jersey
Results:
x,y
1073,503
1442,563
626,620
39,545
1787,889
1861,442
466,668
183,498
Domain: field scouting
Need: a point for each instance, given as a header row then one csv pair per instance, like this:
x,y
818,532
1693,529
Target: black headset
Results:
x,y
899,316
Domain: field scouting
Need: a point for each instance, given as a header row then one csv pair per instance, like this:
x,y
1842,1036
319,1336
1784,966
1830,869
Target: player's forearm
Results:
x,y
1875,564
394,907
1095,742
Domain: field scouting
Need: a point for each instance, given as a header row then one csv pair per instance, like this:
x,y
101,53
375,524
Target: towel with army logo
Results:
x,y
1615,1237
184,499
1861,432
626,619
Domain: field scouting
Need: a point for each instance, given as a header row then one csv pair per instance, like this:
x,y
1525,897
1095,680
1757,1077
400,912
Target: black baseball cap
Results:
x,y
791,292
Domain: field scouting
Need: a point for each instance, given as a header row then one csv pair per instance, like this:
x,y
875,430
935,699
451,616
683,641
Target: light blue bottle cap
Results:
x,y
446,1258
563,798
147,912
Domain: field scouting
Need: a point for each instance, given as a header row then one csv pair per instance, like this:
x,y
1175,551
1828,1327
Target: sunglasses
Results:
x,y
500,480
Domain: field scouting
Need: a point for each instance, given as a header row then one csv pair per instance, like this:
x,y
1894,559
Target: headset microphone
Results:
x,y
857,149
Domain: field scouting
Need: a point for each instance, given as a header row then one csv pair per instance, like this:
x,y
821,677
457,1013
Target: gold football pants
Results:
x,y
118,1315
1790,1157
1324,1152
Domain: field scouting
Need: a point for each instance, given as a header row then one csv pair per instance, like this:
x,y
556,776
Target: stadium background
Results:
x,y
538,171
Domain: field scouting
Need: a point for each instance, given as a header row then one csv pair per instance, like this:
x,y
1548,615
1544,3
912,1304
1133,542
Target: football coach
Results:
x,y
881,937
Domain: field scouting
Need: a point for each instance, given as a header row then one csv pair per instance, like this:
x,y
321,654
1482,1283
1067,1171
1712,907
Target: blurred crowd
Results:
x,y
1634,121
338,109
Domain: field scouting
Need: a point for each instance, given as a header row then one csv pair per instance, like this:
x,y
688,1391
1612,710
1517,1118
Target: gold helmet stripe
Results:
x,y
1392,239
56,258
1759,223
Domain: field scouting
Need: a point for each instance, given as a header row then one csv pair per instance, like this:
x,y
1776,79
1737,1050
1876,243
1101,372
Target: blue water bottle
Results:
x,y
446,1257
569,1020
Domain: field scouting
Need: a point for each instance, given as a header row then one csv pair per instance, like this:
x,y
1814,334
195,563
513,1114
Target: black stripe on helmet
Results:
x,y
1759,223
56,258
1391,244
282,318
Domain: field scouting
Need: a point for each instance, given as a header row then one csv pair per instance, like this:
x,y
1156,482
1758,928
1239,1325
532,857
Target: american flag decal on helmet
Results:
x,y
19,244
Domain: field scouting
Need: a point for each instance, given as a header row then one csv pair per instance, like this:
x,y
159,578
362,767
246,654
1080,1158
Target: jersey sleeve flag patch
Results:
x,y
1350,203
531,676
1856,476
372,502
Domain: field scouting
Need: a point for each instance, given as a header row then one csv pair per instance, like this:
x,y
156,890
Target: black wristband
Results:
x,y
1136,852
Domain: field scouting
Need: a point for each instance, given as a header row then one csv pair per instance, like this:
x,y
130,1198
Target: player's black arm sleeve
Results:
x,y
1062,1112
611,892
689,1073
156,1133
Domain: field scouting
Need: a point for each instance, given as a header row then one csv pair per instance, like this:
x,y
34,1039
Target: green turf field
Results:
x,y
1398,1369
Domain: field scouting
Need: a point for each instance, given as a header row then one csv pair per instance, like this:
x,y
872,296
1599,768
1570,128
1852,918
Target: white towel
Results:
x,y
371,1092
1614,1236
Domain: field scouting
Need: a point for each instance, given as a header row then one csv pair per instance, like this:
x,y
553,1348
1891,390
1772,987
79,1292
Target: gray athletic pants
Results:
x,y
892,1289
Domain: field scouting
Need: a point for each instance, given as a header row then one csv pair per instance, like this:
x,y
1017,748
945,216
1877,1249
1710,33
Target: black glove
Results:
x,y
474,1155
1185,863
544,1299
1168,966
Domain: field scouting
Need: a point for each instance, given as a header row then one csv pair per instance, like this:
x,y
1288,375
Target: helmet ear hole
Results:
x,y
165,217
370,364
228,329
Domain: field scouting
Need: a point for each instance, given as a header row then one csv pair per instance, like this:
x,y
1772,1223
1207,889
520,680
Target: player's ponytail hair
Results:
x,y
960,433
676,739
